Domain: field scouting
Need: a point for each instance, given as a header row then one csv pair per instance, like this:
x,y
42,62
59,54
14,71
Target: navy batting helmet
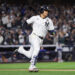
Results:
x,y
44,8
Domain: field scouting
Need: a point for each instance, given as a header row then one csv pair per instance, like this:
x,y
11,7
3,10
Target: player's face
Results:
x,y
45,13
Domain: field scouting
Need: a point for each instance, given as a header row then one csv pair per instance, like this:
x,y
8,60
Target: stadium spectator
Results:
x,y
1,39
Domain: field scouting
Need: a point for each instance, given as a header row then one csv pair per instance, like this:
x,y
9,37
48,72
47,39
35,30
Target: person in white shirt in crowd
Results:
x,y
1,39
21,38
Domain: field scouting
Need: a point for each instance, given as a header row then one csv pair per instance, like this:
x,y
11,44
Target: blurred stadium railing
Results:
x,y
47,53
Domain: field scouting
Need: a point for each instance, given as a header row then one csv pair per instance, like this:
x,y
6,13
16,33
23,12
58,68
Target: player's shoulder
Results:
x,y
49,19
35,16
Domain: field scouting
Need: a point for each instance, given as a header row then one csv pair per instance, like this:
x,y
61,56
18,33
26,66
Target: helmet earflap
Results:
x,y
41,10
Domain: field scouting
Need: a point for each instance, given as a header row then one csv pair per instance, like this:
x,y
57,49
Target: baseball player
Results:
x,y
41,24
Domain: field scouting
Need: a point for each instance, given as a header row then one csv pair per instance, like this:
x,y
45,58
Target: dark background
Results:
x,y
30,2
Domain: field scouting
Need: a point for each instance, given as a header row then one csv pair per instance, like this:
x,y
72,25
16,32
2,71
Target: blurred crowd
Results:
x,y
14,30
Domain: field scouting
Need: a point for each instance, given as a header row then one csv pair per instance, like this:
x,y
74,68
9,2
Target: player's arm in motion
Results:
x,y
30,20
51,28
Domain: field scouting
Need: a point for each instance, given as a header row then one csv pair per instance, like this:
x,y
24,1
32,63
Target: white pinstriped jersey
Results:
x,y
40,26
